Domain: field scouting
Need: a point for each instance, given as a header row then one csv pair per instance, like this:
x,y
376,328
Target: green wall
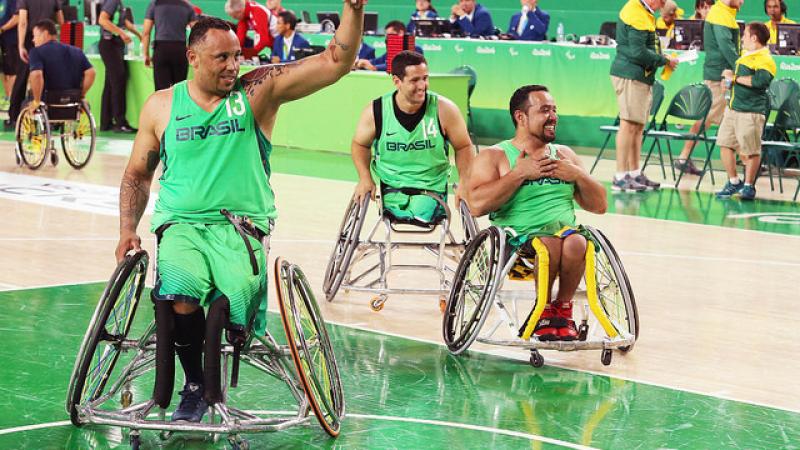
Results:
x,y
579,16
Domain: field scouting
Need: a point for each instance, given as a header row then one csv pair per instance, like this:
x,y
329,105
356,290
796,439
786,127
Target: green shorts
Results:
x,y
199,263
420,207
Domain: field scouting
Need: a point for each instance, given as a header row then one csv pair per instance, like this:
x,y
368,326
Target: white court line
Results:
x,y
439,423
45,286
518,357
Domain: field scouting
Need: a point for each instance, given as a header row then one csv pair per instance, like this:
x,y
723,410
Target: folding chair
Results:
x,y
690,103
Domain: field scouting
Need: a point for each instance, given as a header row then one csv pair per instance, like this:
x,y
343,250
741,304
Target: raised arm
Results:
x,y
455,130
361,153
269,86
134,191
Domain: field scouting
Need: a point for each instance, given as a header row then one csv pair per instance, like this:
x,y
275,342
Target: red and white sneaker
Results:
x,y
567,331
547,329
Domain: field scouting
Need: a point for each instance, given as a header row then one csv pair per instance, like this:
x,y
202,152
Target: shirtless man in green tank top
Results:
x,y
528,184
410,130
212,135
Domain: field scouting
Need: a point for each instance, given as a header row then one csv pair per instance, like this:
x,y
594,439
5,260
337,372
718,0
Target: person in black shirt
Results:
x,y
55,66
112,50
170,17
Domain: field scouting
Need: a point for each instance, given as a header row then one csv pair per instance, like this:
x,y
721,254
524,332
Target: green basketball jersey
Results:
x,y
538,206
213,161
411,159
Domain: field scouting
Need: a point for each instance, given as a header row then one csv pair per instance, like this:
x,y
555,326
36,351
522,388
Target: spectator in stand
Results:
x,y
29,12
170,17
530,24
287,41
366,51
701,8
252,16
776,10
472,19
56,66
8,48
113,39
425,10
274,6
394,27
669,13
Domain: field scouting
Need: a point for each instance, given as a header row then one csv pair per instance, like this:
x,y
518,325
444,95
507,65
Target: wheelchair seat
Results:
x,y
63,105
439,213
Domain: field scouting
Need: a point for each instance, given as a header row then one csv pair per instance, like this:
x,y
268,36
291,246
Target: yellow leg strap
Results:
x,y
542,286
591,293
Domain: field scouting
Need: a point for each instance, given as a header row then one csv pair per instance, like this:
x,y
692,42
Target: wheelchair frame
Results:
x,y
296,303
350,251
40,117
501,261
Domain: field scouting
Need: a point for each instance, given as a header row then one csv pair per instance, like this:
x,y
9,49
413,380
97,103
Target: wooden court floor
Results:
x,y
717,304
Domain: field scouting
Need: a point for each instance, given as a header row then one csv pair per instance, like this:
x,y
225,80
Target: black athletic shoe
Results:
x,y
192,406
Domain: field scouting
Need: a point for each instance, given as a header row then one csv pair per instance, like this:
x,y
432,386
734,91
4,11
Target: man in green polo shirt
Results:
x,y
744,119
721,44
633,74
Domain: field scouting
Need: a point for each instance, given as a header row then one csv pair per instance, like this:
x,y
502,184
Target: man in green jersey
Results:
x,y
527,184
721,44
410,129
744,118
212,135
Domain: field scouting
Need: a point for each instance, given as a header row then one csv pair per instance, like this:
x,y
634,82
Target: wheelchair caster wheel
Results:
x,y
238,443
165,435
606,357
135,440
583,331
377,303
126,399
54,158
537,360
442,304
19,160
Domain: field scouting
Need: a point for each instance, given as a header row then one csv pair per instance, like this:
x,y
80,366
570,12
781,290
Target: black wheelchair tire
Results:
x,y
458,343
133,267
346,244
75,163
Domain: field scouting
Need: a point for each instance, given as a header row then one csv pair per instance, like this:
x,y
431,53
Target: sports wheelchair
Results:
x,y
101,393
63,115
351,250
480,276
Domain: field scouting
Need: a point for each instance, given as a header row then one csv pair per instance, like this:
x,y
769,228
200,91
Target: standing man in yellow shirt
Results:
x,y
776,10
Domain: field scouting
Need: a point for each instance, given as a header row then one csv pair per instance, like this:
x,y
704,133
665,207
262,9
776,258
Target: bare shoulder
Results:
x,y
156,110
490,155
566,153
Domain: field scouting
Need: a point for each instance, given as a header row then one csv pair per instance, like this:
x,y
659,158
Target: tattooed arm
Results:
x,y
269,86
134,190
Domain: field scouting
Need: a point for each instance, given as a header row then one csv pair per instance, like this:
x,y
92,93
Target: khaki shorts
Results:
x,y
741,131
717,102
634,99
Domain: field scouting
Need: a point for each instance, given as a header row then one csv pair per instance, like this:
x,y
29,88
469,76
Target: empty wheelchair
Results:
x,y
365,264
115,354
63,116
607,314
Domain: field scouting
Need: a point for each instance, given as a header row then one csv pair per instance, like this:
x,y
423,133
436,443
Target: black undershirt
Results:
x,y
408,121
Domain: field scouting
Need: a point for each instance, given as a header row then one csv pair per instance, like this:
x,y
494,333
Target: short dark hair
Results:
x,y
397,25
47,25
519,100
288,18
201,28
404,59
760,31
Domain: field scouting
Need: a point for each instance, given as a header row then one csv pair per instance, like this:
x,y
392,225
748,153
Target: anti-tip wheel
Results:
x,y
537,360
605,358
377,303
442,303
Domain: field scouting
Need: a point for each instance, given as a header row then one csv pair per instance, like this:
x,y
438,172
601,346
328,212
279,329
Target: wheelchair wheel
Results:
x,y
472,291
468,221
33,137
310,346
108,328
346,244
79,137
613,288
